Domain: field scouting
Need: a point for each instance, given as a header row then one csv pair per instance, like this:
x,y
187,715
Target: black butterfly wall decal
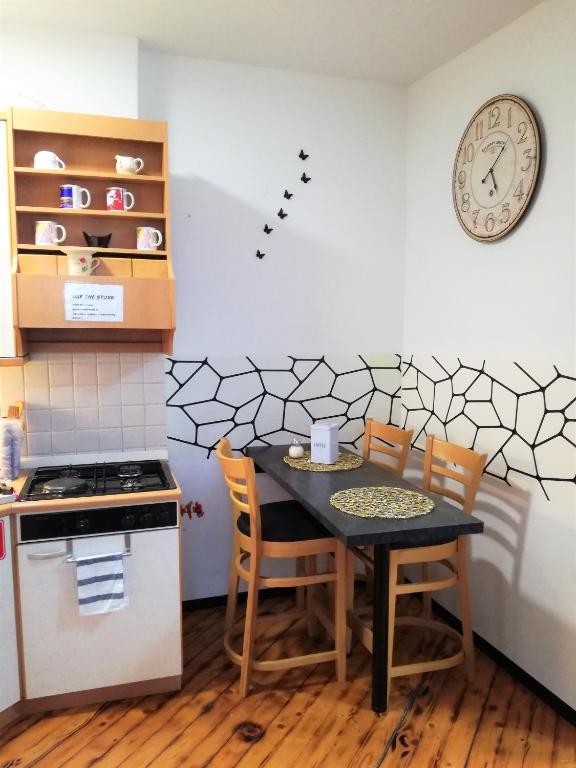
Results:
x,y
282,214
288,195
268,229
305,178
260,255
303,155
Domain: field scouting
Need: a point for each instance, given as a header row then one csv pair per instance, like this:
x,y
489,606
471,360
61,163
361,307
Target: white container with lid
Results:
x,y
324,442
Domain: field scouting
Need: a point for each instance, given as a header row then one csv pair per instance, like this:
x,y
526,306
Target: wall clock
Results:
x,y
496,168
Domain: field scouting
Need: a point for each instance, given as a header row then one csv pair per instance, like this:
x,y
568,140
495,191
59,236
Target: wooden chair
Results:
x,y
280,530
395,443
452,554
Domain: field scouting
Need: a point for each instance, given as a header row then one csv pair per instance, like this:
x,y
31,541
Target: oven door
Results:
x,y
64,651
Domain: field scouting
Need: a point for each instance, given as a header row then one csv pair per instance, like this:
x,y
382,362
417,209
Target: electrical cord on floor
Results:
x,y
410,702
86,722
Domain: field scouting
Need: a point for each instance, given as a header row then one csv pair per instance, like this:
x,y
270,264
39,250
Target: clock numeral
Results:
x,y
494,118
519,192
522,128
465,206
479,130
489,222
468,153
475,215
462,179
509,125
530,157
505,212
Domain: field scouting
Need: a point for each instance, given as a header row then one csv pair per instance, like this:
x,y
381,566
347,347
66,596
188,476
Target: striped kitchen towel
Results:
x,y
101,587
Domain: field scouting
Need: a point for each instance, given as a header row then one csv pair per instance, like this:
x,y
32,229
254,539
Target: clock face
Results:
x,y
496,168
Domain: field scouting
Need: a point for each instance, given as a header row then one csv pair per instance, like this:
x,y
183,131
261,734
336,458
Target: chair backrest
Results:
x,y
240,478
470,466
398,444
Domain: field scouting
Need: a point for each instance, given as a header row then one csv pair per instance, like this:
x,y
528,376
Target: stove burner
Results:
x,y
67,484
130,484
129,471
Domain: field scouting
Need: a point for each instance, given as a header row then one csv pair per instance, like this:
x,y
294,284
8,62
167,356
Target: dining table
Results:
x,y
314,489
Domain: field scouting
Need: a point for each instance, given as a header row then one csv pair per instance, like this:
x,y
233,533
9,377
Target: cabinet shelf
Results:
x,y
78,173
89,212
89,249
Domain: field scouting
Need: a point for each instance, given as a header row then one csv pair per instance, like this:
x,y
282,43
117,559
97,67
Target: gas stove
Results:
x,y
104,479
82,500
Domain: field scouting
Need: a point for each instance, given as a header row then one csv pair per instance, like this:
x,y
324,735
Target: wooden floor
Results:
x,y
302,717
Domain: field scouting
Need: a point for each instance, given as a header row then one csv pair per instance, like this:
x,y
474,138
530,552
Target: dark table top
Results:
x,y
313,491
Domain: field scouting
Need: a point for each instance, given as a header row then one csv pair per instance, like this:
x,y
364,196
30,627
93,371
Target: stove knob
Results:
x,y
82,525
147,520
128,520
163,517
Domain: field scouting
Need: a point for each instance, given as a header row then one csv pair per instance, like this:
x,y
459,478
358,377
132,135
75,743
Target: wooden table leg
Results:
x,y
380,629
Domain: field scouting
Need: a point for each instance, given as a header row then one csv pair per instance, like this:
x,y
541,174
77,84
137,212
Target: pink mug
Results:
x,y
119,199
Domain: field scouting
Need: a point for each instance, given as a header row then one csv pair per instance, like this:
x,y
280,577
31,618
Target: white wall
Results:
x,y
512,300
514,296
71,72
235,135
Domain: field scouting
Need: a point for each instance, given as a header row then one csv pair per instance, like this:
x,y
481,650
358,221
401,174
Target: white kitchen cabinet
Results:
x,y
66,652
9,674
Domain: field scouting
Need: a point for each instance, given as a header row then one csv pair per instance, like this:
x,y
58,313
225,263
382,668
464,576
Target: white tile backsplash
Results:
x,y
88,402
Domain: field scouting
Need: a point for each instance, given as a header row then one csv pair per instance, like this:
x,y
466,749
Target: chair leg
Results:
x,y
350,581
465,612
340,612
232,588
392,581
426,596
250,626
300,591
312,621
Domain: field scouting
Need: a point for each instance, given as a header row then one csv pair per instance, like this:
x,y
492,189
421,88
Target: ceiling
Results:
x,y
394,41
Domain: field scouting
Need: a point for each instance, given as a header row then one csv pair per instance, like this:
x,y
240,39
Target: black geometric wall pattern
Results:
x,y
264,401
524,417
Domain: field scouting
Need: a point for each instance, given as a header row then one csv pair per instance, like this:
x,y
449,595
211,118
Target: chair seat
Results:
x,y
285,521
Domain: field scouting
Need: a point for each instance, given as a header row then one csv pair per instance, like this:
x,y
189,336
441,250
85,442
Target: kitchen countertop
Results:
x,y
11,507
75,502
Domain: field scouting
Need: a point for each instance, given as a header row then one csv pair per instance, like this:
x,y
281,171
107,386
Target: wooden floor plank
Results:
x,y
301,717
486,742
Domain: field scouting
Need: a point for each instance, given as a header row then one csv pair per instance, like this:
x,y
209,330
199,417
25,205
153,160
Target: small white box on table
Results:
x,y
324,442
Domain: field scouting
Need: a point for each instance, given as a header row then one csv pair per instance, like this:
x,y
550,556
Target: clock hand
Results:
x,y
495,161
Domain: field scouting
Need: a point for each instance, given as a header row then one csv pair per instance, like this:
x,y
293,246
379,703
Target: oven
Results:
x,y
65,651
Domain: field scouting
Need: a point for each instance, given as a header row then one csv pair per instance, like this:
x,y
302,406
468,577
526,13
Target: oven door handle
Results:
x,y
46,555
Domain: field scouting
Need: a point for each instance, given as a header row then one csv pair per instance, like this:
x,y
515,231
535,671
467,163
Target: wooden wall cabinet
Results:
x,y
88,146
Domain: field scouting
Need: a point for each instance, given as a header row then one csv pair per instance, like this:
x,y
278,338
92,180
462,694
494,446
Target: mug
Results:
x,y
47,233
126,164
117,199
71,196
148,238
81,263
48,161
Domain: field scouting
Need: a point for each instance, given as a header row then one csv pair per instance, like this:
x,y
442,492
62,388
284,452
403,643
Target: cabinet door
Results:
x,y
7,339
66,652
9,675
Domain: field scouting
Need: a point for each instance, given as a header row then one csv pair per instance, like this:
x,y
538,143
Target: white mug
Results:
x,y
47,233
71,196
81,263
148,238
48,161
126,164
